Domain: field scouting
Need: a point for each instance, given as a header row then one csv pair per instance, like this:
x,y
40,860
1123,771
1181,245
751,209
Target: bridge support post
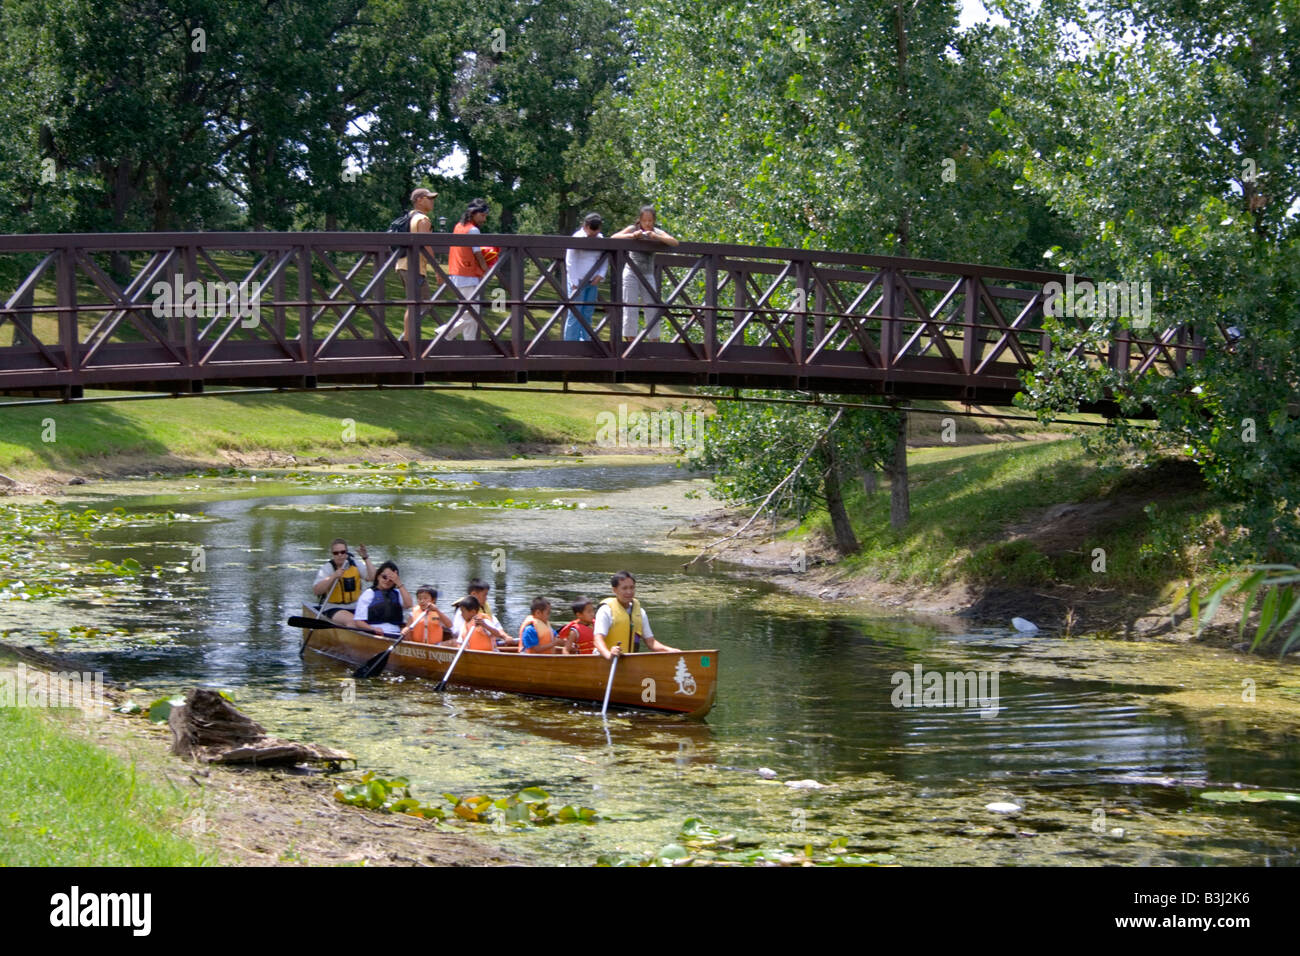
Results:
x,y
515,290
304,311
711,308
972,345
66,301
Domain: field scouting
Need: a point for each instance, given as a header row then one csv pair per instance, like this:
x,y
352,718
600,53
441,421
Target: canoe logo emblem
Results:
x,y
685,680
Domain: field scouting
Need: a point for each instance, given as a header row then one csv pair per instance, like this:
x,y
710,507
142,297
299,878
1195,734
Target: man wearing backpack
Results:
x,y
417,221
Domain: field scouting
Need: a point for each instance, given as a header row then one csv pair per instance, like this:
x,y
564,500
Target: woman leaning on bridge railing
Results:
x,y
637,292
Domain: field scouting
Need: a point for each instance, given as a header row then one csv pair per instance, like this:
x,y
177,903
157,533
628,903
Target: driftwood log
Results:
x,y
210,728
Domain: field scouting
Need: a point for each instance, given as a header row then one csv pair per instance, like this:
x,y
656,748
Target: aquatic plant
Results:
x,y
529,807
699,844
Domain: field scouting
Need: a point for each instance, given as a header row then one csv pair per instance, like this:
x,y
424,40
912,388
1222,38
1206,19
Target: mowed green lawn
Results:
x,y
66,802
330,424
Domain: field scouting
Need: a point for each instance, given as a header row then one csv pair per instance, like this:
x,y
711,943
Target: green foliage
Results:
x,y
752,446
1174,158
253,120
1279,587
529,807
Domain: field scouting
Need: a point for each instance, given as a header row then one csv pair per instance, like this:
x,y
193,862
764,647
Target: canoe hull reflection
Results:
x,y
684,683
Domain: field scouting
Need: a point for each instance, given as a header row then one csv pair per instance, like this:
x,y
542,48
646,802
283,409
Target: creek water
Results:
x,y
1104,769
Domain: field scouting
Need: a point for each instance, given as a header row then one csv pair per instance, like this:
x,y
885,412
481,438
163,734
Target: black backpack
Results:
x,y
401,224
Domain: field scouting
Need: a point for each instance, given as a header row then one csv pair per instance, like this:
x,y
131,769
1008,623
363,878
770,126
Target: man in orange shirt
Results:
x,y
466,265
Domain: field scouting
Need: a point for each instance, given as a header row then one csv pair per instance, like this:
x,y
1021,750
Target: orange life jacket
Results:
x,y
426,628
476,638
585,633
460,259
544,636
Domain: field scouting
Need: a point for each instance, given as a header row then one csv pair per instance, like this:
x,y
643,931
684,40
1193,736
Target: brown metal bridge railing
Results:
x,y
88,311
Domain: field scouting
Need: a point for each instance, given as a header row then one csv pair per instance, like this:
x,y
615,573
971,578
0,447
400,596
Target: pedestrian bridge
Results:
x,y
175,312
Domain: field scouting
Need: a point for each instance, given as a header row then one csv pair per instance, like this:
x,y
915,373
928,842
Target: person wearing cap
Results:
x,y
421,209
466,265
583,287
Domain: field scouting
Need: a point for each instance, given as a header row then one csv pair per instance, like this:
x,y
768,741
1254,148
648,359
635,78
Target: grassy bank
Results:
x,y
66,802
164,433
1037,514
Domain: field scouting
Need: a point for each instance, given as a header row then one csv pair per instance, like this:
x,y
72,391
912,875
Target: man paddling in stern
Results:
x,y
340,581
621,619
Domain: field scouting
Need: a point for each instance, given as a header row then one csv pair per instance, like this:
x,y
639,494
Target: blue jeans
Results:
x,y
573,328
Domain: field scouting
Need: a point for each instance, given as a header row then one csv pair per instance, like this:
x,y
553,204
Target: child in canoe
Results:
x,y
475,629
429,623
536,635
578,636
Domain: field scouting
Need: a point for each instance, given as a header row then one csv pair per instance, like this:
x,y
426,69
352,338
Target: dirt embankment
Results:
x,y
811,567
270,817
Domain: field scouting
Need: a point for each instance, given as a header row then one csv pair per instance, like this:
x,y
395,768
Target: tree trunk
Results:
x,y
870,482
900,504
845,540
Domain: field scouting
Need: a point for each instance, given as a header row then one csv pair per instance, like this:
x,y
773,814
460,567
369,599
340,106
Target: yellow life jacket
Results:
x,y
348,598
624,625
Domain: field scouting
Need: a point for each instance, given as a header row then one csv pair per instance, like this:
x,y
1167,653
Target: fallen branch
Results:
x,y
771,494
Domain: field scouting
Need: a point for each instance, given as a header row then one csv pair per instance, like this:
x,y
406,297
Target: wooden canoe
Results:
x,y
683,683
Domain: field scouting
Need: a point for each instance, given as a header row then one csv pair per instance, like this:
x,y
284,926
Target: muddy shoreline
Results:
x,y
808,567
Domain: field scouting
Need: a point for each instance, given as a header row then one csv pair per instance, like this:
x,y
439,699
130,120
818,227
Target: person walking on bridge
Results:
x,y
419,221
636,291
467,265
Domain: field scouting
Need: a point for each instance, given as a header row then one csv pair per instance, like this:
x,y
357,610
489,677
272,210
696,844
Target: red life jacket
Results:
x,y
585,632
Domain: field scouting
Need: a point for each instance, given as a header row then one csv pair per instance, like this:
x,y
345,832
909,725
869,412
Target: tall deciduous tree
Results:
x,y
858,126
1169,135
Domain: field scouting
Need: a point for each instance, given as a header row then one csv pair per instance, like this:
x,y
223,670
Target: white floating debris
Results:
x,y
1003,807
767,773
1023,626
805,785
1117,832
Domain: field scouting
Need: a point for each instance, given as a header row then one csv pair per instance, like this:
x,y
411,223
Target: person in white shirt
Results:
x,y
621,620
383,608
340,581
478,589
584,288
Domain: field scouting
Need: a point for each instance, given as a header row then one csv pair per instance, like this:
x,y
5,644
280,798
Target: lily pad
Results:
x,y
1250,796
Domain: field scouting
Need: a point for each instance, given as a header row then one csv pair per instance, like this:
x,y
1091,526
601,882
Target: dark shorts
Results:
x,y
334,610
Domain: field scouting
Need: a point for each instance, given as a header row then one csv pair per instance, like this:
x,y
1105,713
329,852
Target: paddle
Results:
x,y
377,663
464,642
319,624
609,685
